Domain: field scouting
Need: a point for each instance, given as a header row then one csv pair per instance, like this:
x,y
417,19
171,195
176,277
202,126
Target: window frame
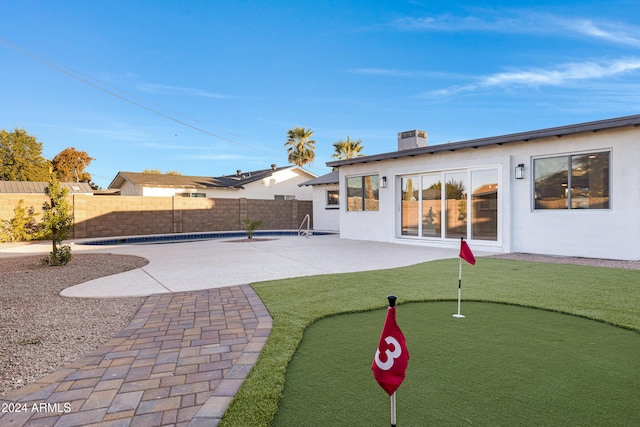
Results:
x,y
569,164
440,175
328,199
375,190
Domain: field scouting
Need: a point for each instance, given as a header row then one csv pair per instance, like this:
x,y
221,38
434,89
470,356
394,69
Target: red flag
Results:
x,y
390,362
465,253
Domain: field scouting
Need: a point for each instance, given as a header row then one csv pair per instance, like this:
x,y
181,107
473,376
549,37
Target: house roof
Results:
x,y
330,178
498,140
29,187
183,181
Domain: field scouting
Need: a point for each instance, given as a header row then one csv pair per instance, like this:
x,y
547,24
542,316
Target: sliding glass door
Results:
x,y
410,206
465,206
431,206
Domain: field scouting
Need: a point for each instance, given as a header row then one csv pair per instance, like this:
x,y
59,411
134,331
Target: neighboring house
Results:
x,y
273,183
568,191
27,187
326,201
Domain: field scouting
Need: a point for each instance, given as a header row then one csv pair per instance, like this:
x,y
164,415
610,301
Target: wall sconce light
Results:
x,y
383,182
520,171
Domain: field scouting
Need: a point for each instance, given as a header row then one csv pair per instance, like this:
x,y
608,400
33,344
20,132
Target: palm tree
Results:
x,y
300,146
347,149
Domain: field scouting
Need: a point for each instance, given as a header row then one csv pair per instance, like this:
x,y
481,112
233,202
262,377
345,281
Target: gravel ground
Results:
x,y
41,331
594,262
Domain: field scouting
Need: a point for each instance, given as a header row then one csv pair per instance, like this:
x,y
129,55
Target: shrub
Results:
x,y
250,226
22,227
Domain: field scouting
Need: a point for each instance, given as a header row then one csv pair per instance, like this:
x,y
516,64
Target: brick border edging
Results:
x,y
214,408
210,413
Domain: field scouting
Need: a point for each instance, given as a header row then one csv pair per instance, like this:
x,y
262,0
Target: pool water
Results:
x,y
189,237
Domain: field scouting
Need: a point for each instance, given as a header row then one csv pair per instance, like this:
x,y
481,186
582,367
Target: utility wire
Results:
x,y
99,85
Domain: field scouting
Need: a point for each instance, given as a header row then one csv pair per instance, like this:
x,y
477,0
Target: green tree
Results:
x,y
57,220
347,149
21,157
300,146
70,165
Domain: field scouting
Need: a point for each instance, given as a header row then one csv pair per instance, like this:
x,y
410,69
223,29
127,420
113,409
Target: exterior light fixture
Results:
x,y
383,182
520,171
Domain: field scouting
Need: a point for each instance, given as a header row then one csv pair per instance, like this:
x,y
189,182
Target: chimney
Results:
x,y
411,139
273,166
239,172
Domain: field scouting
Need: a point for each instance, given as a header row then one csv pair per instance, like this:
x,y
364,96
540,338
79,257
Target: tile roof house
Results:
x,y
29,187
567,191
280,183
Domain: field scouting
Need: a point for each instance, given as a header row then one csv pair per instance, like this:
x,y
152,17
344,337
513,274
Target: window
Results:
x,y
284,197
579,181
362,193
410,214
456,204
484,204
202,195
431,206
333,198
450,205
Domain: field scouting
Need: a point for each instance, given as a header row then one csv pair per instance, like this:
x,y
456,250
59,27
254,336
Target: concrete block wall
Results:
x,y
106,216
8,202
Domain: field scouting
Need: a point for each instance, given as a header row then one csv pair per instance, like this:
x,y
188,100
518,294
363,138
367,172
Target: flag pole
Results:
x,y
459,316
392,303
393,409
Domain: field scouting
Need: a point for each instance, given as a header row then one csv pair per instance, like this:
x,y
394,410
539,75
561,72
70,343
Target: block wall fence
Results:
x,y
106,216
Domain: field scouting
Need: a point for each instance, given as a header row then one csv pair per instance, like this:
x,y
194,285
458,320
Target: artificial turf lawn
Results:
x,y
501,365
608,295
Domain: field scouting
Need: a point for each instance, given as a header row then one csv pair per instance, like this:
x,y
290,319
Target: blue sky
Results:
x,y
208,87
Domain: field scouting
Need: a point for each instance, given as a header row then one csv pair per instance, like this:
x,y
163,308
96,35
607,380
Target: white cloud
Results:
x,y
524,22
383,72
454,23
172,90
617,33
214,157
562,75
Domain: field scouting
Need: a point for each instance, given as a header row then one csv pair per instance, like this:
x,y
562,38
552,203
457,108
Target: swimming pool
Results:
x,y
190,237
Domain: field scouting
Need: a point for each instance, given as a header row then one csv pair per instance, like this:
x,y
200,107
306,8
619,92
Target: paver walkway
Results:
x,y
180,362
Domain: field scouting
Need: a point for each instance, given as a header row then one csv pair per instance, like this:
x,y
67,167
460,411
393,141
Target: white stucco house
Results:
x,y
275,183
569,191
326,201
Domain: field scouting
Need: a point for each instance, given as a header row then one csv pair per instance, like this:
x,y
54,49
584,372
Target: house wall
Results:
x,y
607,233
284,182
106,216
324,217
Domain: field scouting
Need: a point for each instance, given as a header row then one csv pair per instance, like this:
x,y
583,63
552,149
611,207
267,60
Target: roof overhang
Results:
x,y
498,140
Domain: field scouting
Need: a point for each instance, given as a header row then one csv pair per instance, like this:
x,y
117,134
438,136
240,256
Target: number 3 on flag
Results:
x,y
391,355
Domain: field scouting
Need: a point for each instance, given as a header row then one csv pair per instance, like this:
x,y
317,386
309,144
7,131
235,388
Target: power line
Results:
x,y
84,78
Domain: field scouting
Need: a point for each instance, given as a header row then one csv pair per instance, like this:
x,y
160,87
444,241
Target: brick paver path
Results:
x,y
180,362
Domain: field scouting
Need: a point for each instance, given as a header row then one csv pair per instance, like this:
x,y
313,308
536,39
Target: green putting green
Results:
x,y
608,295
501,365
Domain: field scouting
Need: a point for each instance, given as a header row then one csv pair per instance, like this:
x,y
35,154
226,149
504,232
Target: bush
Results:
x,y
250,225
22,227
62,256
